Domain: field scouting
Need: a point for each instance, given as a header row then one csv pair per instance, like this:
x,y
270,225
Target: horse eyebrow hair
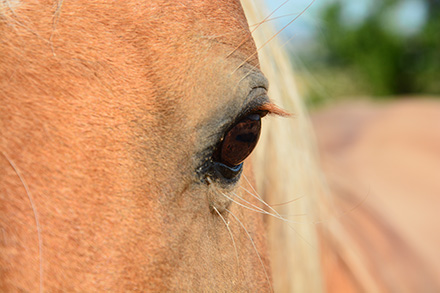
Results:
x,y
273,109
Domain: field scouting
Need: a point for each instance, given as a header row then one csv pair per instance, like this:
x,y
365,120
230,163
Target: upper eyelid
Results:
x,y
273,109
262,104
256,99
258,104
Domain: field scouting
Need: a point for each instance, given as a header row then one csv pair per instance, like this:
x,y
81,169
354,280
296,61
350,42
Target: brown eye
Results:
x,y
240,140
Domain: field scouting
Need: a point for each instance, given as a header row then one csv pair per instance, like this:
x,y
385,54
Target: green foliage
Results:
x,y
387,62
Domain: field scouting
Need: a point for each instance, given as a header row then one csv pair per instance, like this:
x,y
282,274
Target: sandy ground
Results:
x,y
382,162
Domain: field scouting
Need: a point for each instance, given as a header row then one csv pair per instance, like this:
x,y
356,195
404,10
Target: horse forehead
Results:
x,y
155,26
219,13
221,21
193,48
176,50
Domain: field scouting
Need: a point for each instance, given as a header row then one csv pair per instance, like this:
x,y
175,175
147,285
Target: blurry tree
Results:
x,y
388,62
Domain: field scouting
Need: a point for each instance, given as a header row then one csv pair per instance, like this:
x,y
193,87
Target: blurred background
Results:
x,y
369,73
380,49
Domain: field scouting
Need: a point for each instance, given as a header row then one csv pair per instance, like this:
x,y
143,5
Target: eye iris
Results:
x,y
240,140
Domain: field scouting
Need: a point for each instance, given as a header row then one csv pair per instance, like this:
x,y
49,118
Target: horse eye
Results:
x,y
240,140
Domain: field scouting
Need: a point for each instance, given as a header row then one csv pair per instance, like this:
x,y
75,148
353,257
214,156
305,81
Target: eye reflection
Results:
x,y
240,140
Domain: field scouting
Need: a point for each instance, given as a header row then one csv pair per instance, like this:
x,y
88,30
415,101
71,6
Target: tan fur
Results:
x,y
103,108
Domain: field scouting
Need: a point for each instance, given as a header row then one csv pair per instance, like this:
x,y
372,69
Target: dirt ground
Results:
x,y
382,162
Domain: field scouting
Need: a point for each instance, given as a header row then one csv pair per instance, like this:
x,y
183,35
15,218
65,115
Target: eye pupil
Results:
x,y
240,140
246,137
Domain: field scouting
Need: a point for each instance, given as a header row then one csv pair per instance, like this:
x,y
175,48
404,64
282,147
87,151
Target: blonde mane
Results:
x,y
374,233
286,169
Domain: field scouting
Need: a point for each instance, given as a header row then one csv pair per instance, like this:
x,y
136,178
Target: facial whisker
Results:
x,y
232,238
54,24
249,183
257,196
263,211
272,19
278,216
257,26
255,248
252,207
37,221
20,22
274,36
287,202
262,201
244,206
258,209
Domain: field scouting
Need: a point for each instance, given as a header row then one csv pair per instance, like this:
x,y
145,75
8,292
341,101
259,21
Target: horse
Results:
x,y
125,131
125,134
